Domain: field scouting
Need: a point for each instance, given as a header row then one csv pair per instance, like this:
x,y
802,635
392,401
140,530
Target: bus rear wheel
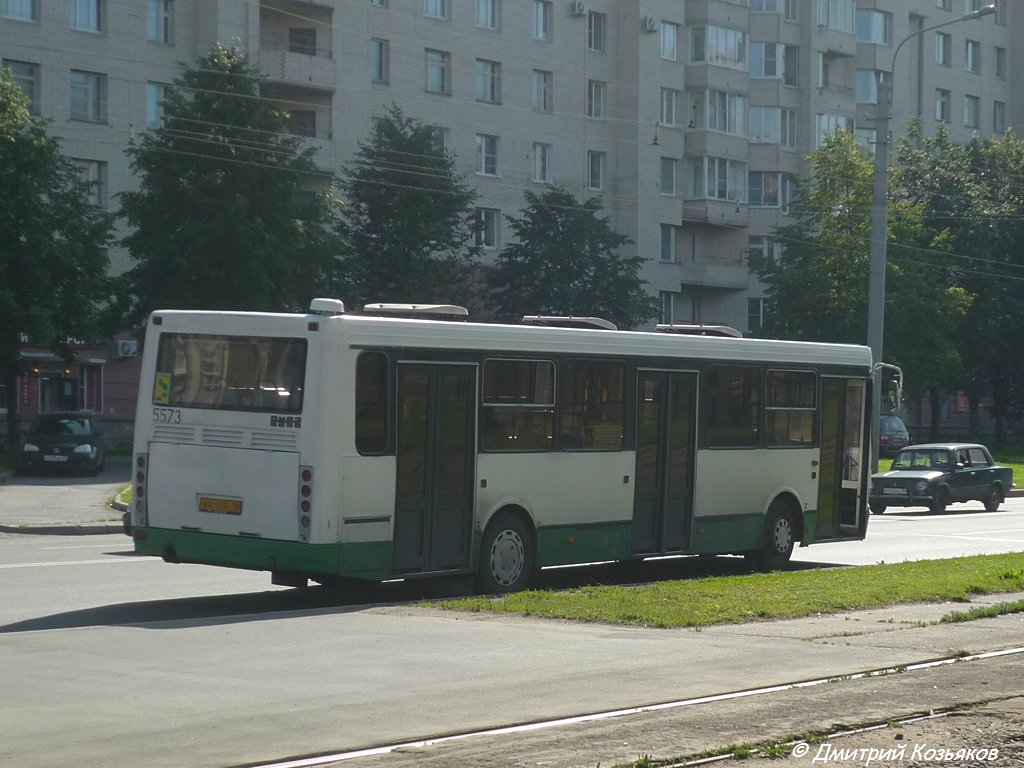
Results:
x,y
506,556
777,540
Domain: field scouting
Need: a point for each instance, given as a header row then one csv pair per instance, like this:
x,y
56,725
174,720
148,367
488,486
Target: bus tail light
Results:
x,y
305,501
139,488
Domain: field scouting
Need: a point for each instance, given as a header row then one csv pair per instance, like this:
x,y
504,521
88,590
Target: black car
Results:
x,y
938,474
65,441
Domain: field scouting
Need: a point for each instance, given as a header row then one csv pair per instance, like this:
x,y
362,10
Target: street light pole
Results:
x,y
880,219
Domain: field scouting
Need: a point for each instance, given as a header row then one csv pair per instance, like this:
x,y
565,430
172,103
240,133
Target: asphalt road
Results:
x,y
109,659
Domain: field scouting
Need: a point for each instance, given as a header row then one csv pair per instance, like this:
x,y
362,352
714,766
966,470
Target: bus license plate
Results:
x,y
220,506
894,491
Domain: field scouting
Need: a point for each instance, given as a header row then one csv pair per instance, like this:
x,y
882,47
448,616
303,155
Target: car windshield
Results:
x,y
922,459
62,425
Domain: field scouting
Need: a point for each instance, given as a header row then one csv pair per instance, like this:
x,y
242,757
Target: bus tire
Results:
x,y
777,539
506,555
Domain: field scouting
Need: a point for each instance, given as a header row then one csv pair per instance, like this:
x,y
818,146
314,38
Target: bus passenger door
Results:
x,y
842,453
665,457
435,462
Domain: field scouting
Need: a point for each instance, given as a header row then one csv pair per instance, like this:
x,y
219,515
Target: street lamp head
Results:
x,y
985,10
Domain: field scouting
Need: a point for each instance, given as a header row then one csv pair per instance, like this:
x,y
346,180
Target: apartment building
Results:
x,y
690,118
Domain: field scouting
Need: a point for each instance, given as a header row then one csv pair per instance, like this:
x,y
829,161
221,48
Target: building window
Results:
x,y
439,134
302,40
541,162
543,90
487,14
668,175
765,6
998,116
830,122
94,173
158,21
379,3
719,111
763,189
487,154
669,99
791,10
597,31
24,10
488,81
788,118
154,104
302,122
88,98
435,9
874,27
542,17
596,93
755,315
720,46
943,49
1001,14
764,59
87,14
439,71
668,306
946,5
972,56
668,243
26,77
942,98
595,170
972,111
487,223
716,178
669,41
765,124
837,14
1000,63
380,60
867,85
970,6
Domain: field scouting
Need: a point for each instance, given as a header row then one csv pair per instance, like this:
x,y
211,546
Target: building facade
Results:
x,y
690,118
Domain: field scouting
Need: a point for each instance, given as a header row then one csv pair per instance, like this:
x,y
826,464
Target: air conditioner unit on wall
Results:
x,y
649,24
126,348
577,8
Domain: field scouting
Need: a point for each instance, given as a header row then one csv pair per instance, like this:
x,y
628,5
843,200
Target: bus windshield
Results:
x,y
242,373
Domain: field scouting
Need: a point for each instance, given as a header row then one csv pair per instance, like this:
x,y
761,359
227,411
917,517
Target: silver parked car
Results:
x,y
892,436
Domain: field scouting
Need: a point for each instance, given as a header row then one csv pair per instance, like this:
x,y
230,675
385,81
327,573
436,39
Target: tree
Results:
x,y
565,260
52,243
973,202
222,218
408,223
818,290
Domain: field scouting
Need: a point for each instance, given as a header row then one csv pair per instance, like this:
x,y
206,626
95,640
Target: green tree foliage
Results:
x,y
565,260
53,258
223,218
818,290
973,196
408,223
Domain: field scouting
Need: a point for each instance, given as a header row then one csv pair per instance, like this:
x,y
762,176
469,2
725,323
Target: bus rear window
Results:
x,y
234,373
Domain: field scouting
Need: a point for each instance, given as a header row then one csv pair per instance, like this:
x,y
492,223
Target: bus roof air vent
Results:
x,y
553,321
326,307
418,311
700,330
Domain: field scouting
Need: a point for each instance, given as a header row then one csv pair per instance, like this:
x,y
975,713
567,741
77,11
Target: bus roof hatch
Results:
x,y
419,311
700,330
570,321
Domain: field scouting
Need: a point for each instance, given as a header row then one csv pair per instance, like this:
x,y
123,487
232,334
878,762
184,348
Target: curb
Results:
x,y
69,529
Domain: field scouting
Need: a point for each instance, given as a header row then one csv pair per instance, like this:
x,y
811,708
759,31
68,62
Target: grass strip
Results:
x,y
753,597
984,612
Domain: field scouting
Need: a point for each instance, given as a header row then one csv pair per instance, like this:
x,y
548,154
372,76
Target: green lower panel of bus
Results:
x,y
568,544
366,560
727,535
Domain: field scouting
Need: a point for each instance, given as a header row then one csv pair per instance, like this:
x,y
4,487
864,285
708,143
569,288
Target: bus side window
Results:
x,y
372,404
593,405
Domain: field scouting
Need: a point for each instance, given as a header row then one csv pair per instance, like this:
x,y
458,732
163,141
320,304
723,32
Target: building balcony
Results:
x,y
716,213
285,66
726,274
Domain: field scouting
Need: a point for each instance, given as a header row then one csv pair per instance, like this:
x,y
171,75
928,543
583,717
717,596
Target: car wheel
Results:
x,y
877,509
994,498
940,502
777,539
506,556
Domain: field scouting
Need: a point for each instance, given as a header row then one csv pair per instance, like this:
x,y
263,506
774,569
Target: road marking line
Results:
x,y
81,562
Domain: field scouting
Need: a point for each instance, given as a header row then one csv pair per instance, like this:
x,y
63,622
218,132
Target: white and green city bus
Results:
x,y
337,445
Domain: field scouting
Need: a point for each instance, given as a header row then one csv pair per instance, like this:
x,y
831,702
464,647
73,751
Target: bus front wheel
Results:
x,y
506,555
777,540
